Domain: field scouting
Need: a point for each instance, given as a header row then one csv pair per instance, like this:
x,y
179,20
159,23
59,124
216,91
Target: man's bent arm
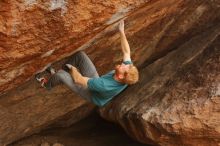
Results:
x,y
124,43
78,78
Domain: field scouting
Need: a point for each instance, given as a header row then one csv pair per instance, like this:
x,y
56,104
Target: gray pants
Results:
x,y
85,66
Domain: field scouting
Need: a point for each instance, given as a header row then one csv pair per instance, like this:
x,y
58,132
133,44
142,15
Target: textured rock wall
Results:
x,y
34,33
170,43
177,99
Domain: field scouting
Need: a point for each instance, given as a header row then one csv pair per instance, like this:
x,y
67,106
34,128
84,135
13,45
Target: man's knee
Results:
x,y
80,54
60,74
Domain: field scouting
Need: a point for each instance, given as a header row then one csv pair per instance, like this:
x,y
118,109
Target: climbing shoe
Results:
x,y
41,80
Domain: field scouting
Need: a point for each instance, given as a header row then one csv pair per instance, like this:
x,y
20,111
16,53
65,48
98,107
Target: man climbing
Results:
x,y
80,75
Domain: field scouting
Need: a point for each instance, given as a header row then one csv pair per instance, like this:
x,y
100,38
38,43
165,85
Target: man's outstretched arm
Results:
x,y
124,43
77,77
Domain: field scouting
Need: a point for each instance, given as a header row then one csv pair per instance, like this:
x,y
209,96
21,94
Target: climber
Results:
x,y
80,75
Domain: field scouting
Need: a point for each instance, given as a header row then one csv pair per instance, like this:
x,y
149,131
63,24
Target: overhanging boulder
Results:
x,y
177,100
36,33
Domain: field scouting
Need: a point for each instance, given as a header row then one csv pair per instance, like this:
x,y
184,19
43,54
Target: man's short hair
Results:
x,y
132,75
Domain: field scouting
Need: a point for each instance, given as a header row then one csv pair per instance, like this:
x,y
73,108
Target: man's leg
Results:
x,y
86,68
81,61
63,77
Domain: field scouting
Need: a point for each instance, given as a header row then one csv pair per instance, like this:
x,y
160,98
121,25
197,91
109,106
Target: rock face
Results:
x,y
174,43
35,33
177,100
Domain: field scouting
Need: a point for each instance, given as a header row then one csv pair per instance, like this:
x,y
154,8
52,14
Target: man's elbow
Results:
x,y
82,81
77,81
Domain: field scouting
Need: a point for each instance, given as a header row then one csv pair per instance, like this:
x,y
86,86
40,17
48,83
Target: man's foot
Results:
x,y
41,80
51,70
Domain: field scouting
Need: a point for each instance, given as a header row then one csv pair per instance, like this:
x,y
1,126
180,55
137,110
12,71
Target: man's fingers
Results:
x,y
122,22
121,25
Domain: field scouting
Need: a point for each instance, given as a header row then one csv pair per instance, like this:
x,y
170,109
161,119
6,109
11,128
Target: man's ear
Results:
x,y
120,76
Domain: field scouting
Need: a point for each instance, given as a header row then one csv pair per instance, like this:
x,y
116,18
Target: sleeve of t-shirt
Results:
x,y
96,84
127,62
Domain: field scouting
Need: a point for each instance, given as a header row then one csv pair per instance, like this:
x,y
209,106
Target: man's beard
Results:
x,y
116,72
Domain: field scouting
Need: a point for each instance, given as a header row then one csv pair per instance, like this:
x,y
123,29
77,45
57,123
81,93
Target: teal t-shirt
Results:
x,y
104,88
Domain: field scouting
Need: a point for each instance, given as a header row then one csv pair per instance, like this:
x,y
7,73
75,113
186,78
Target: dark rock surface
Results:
x,y
91,131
